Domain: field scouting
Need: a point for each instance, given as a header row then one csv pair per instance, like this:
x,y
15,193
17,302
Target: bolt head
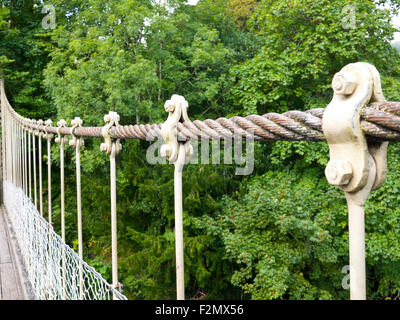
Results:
x,y
338,172
169,106
103,147
344,83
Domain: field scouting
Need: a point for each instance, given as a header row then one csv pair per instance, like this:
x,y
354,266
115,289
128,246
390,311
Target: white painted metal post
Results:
x,y
48,138
357,252
355,166
34,133
29,193
112,148
114,252
177,153
78,143
61,141
179,246
40,159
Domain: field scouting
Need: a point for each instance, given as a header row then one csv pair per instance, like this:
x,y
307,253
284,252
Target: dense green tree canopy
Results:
x,y
279,233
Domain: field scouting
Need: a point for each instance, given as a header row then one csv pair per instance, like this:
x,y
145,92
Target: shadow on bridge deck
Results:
x,y
11,284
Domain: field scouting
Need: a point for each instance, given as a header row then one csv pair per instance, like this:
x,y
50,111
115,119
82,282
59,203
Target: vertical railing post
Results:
x,y
40,160
177,152
23,156
356,166
61,140
112,148
29,193
48,138
51,267
34,134
78,142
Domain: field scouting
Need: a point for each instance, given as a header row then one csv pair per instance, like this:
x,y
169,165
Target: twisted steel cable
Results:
x,y
380,121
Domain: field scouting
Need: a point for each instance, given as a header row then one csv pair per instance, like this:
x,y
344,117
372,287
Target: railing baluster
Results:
x,y
61,141
78,143
34,133
112,148
23,136
29,165
40,159
177,153
48,138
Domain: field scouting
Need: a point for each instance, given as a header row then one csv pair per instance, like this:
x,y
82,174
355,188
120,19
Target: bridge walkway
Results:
x,y
10,276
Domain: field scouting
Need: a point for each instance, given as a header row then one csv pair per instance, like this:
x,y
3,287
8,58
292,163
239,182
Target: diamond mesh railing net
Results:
x,y
54,269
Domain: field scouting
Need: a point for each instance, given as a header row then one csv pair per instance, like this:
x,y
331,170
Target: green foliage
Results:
x,y
24,50
286,231
280,233
304,45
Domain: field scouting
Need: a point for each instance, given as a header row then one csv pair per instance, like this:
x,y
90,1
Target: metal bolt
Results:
x,y
344,83
103,147
338,172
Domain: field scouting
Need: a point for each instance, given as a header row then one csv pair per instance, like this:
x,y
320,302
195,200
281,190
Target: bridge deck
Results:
x,y
10,282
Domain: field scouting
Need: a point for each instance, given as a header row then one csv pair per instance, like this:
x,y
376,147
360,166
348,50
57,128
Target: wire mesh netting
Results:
x,y
54,269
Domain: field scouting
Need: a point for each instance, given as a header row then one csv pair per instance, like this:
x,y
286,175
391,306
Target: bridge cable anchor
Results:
x,y
356,165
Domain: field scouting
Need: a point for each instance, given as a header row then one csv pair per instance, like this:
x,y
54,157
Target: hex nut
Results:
x,y
344,83
338,172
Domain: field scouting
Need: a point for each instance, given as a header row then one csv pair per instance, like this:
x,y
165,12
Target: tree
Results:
x,y
286,229
305,43
131,56
241,10
24,48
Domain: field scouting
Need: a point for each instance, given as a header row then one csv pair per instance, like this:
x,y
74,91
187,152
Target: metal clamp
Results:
x,y
47,135
356,166
76,142
38,132
355,86
177,152
111,119
61,139
177,112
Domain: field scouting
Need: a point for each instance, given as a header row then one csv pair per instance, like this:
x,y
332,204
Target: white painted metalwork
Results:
x,y
112,148
55,271
45,268
78,143
356,166
177,152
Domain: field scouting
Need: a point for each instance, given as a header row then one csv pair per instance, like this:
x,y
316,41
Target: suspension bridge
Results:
x,y
35,261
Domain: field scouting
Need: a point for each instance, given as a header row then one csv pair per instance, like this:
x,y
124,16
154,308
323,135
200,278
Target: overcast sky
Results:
x,y
396,23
